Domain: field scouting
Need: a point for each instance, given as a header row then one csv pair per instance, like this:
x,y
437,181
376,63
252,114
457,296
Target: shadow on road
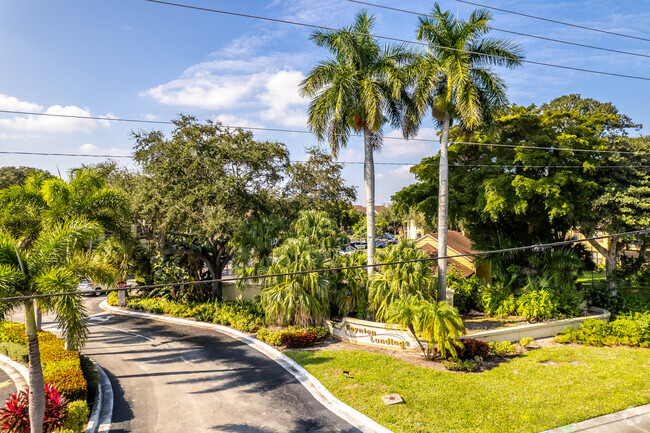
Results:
x,y
122,413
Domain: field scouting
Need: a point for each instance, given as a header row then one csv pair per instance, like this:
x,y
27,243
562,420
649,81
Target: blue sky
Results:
x,y
134,59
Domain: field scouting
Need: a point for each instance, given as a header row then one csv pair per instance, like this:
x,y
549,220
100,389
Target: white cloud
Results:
x,y
35,123
402,172
204,90
149,116
234,80
91,149
396,146
285,103
243,121
11,103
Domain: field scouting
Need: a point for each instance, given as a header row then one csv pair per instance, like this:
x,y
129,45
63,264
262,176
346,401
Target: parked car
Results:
x,y
91,289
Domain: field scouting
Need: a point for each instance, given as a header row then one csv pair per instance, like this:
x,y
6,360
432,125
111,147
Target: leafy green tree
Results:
x,y
392,282
54,261
318,184
436,322
10,176
456,84
198,187
357,89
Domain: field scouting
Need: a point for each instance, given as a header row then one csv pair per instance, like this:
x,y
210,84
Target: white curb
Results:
x,y
315,388
20,379
101,418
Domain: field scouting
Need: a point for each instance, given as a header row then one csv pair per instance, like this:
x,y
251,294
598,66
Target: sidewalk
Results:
x,y
11,379
633,420
7,386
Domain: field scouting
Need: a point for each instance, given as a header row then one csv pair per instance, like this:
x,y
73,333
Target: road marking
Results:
x,y
127,332
101,318
184,360
3,384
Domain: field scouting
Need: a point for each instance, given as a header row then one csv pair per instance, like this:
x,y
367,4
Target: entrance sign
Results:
x,y
121,295
373,334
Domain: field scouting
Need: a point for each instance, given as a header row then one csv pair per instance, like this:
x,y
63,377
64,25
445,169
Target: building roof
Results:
x,y
433,252
362,209
456,241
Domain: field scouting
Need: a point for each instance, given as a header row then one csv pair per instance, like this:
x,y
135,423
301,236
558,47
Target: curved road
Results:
x,y
176,378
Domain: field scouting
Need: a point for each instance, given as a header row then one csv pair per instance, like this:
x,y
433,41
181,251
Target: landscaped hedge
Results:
x,y
290,335
629,330
60,367
246,316
15,351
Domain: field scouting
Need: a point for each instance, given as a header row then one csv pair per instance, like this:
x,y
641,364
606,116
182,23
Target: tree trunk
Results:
x,y
36,384
39,317
443,208
369,186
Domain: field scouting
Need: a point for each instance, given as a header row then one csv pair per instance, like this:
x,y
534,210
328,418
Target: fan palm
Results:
x,y
453,80
393,282
437,322
357,89
54,261
321,232
297,299
350,291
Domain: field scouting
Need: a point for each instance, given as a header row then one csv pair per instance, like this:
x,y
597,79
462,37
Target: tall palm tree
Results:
x,y
42,201
358,88
54,261
454,80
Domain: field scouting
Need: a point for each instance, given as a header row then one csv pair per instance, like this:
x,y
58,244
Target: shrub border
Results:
x,y
306,379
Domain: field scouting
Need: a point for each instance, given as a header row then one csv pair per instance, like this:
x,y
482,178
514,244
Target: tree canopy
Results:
x,y
197,187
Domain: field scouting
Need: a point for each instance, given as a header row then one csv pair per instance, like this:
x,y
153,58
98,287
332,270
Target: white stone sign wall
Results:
x,y
373,334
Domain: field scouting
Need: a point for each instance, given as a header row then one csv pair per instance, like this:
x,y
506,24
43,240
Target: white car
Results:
x,y
90,288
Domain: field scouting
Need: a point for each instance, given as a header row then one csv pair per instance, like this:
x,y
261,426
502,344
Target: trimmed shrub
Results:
x,y
243,315
630,330
15,351
525,342
455,364
68,377
61,367
502,348
275,337
305,339
11,332
112,299
473,348
77,416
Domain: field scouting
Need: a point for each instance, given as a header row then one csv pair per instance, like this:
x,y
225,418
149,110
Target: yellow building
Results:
x,y
457,244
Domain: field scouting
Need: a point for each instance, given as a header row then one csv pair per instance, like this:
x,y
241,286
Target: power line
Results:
x,y
611,50
506,166
314,26
519,146
535,248
556,21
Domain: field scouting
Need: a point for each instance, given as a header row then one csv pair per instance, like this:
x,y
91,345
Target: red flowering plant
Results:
x,y
14,416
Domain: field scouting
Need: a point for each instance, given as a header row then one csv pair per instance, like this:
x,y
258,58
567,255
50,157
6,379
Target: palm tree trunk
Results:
x,y
36,384
369,185
443,208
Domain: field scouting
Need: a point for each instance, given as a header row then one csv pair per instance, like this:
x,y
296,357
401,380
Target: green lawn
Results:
x,y
520,396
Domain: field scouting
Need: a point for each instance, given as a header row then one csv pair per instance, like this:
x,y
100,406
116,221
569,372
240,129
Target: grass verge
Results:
x,y
527,394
